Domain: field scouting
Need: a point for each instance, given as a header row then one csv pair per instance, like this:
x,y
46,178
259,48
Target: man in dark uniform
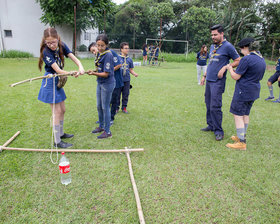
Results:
x,y
221,51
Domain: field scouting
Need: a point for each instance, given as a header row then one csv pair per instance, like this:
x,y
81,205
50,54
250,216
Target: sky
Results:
x,y
119,1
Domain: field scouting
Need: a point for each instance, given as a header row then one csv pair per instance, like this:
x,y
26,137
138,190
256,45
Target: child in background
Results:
x,y
145,54
52,52
201,64
127,68
273,79
105,85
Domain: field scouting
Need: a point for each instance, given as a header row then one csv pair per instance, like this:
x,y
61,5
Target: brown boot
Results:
x,y
235,138
237,145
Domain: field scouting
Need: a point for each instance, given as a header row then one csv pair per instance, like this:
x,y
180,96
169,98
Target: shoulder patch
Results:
x,y
108,65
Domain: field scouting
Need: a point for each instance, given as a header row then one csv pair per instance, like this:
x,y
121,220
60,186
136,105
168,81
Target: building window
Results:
x,y
87,36
8,33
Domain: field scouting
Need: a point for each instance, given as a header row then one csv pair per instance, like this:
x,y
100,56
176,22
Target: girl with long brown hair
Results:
x,y
52,52
201,65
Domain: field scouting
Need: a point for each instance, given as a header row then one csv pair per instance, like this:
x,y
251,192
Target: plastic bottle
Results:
x,y
64,169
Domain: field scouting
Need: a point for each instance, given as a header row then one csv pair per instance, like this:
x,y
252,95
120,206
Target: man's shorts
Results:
x,y
274,78
241,108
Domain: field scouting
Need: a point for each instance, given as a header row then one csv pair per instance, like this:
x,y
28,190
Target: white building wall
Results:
x,y
88,36
22,17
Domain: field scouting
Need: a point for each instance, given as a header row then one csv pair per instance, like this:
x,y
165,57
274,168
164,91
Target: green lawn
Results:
x,y
183,176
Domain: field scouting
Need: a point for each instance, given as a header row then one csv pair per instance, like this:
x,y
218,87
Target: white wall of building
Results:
x,y
22,17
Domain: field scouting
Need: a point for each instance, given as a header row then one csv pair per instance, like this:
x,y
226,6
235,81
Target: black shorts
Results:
x,y
274,78
241,108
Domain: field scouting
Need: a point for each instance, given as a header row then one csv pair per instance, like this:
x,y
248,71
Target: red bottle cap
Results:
x,y
62,153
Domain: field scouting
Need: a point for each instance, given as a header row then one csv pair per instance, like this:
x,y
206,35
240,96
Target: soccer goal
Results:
x,y
185,42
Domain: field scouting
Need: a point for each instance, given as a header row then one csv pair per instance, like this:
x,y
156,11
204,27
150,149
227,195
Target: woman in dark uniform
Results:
x,y
248,74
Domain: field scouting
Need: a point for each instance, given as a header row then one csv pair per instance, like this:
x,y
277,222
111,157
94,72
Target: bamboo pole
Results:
x,y
10,140
137,198
42,77
74,150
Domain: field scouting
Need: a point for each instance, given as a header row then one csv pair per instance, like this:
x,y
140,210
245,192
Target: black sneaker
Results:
x,y
66,136
105,135
97,130
219,137
63,145
206,129
269,98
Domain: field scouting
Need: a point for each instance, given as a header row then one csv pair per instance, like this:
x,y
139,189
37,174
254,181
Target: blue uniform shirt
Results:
x,y
219,57
50,57
127,64
202,59
117,73
105,63
157,52
252,69
278,65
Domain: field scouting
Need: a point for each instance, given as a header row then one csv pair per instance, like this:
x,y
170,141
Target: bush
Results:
x,y
82,48
191,57
15,54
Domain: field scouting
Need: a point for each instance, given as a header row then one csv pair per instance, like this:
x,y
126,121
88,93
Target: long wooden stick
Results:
x,y
42,77
137,198
10,140
74,150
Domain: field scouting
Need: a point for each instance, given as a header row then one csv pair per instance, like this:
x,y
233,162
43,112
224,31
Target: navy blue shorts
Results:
x,y
241,108
274,78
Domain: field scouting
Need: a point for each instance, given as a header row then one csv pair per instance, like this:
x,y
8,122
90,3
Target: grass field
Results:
x,y
183,176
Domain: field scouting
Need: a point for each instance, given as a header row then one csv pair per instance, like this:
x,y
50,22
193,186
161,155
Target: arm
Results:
x,y
133,72
58,70
224,68
78,63
101,74
234,75
202,81
117,67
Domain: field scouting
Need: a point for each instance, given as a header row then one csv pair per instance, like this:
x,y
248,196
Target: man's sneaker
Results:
x,y
235,138
105,135
206,129
276,101
111,122
237,145
66,136
219,137
124,110
63,145
97,130
269,98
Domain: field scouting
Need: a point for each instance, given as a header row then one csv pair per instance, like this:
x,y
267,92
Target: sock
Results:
x,y
61,128
271,91
246,127
241,133
57,134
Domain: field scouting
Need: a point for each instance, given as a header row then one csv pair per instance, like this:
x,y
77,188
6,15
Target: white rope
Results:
x,y
53,118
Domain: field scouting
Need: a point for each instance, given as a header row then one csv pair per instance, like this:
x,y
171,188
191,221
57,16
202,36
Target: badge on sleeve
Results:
x,y
48,59
108,65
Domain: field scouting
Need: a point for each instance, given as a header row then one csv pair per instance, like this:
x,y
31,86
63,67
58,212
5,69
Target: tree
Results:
x,y
198,22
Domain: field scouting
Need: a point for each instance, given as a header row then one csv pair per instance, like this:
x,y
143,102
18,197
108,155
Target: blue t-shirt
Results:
x,y
157,52
252,69
219,57
202,59
127,64
50,57
278,65
117,73
151,49
105,63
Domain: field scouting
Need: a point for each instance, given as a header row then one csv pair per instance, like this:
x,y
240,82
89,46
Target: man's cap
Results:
x,y
246,42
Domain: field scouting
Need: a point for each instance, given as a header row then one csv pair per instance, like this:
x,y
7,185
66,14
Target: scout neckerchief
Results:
x,y
215,50
124,65
58,59
256,53
98,57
